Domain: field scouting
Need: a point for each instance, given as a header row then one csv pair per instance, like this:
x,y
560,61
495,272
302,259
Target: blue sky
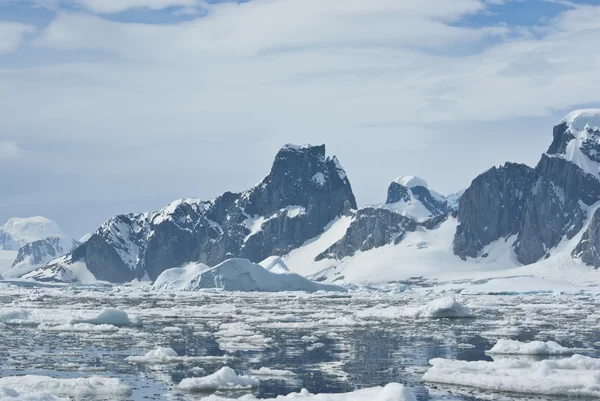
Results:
x,y
115,106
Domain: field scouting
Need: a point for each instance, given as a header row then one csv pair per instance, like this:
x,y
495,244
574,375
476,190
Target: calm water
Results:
x,y
325,340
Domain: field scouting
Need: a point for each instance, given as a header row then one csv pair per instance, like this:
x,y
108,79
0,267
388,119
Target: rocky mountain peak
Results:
x,y
411,196
577,140
304,191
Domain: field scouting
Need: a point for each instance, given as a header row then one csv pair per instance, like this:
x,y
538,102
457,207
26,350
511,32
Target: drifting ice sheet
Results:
x,y
224,379
391,392
578,376
111,316
512,347
445,307
30,386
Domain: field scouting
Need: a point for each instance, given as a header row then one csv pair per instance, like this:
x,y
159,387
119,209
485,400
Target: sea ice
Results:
x,y
223,379
391,392
577,376
111,316
160,355
75,388
513,347
439,308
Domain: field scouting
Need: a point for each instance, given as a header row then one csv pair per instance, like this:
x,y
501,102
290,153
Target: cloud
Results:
x,y
9,150
12,35
117,6
195,108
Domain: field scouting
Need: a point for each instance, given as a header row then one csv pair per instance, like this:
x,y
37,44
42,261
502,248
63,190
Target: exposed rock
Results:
x,y
493,207
588,249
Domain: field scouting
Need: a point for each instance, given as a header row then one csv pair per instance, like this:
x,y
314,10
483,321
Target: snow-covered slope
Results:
x,y
236,275
18,231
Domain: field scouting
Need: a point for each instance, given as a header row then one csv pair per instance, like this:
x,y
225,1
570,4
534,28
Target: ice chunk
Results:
x,y
241,275
224,379
440,308
112,316
572,377
10,394
160,355
75,388
391,392
532,348
13,315
272,372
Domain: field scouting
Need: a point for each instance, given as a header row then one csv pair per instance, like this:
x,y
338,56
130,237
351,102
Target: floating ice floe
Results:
x,y
111,316
391,392
10,394
28,387
13,315
160,355
224,379
272,372
237,275
440,308
577,376
512,347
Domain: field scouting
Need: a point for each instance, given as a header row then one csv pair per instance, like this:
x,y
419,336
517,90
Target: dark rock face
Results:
x,y
304,191
371,228
493,207
541,206
397,193
550,215
41,251
588,249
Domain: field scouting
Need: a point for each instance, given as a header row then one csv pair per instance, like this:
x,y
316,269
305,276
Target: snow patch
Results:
x,y
410,181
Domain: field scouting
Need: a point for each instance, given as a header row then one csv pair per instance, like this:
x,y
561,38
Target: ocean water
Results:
x,y
332,343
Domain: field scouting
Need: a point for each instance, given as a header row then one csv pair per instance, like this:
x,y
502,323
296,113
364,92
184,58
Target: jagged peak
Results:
x,y
578,120
411,181
294,147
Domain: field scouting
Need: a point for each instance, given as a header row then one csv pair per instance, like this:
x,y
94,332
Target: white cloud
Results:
x,y
12,35
9,150
117,6
394,87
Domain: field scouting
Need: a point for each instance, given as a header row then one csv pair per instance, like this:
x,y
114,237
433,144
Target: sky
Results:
x,y
117,106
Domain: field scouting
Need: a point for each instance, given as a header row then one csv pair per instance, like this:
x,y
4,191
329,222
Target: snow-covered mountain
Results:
x,y
305,213
510,216
18,231
302,194
410,196
28,243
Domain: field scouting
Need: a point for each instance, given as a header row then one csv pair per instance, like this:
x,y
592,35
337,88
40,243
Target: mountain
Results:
x,y
542,206
35,254
510,216
303,193
28,243
21,231
410,196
